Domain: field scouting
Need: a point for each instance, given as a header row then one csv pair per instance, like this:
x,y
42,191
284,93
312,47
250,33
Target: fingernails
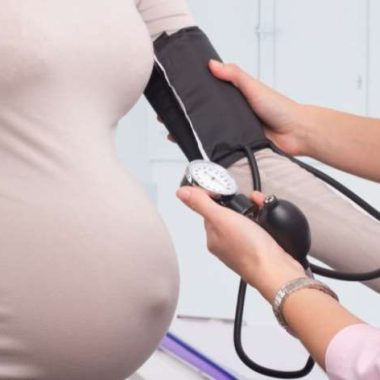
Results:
x,y
183,194
216,63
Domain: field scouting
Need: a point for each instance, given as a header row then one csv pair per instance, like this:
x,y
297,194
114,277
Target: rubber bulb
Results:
x,y
286,223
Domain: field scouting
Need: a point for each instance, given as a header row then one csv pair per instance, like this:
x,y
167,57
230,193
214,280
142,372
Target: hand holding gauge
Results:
x,y
280,218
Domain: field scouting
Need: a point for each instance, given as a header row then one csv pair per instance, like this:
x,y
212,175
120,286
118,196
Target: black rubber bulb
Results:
x,y
286,223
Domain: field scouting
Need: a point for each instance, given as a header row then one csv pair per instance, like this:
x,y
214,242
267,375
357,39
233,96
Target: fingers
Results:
x,y
200,202
169,137
233,73
229,72
250,87
258,198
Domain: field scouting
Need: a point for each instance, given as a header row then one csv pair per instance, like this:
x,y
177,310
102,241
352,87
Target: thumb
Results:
x,y
249,86
228,72
198,200
258,198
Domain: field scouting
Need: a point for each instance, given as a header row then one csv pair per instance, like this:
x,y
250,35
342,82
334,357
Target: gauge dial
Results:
x,y
212,177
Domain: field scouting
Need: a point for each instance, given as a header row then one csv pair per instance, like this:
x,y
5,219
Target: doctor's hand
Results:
x,y
242,245
285,120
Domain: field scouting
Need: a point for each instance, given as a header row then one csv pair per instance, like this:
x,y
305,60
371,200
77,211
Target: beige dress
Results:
x,y
88,275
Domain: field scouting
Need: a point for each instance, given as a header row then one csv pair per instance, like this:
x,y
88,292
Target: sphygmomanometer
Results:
x,y
215,127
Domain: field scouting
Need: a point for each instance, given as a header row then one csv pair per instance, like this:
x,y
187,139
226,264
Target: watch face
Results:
x,y
211,177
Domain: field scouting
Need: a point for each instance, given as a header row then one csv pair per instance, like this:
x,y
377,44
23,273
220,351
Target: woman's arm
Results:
x,y
164,15
348,142
344,346
315,317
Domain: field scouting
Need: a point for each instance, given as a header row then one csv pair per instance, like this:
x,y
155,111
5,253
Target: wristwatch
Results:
x,y
291,287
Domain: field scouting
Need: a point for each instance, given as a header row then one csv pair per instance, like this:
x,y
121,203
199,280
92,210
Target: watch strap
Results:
x,y
291,287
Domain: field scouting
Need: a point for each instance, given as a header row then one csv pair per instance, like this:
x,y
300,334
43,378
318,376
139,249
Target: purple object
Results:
x,y
194,358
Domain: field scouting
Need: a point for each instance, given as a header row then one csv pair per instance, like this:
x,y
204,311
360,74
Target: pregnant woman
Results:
x,y
88,275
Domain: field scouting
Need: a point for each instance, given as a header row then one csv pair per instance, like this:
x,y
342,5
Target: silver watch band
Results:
x,y
291,287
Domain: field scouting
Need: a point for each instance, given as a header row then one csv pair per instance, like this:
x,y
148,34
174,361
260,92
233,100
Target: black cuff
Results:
x,y
209,118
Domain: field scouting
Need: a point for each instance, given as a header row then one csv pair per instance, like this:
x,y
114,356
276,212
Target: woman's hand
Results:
x,y
242,245
284,119
281,115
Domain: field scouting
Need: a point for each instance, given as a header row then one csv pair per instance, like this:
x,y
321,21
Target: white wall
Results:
x,y
324,52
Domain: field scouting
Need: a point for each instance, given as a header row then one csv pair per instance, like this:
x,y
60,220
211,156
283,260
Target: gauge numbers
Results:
x,y
211,177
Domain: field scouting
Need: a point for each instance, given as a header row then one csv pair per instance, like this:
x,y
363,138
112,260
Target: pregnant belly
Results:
x,y
88,282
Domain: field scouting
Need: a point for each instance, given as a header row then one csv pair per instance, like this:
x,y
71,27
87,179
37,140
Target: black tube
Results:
x,y
239,312
365,276
330,273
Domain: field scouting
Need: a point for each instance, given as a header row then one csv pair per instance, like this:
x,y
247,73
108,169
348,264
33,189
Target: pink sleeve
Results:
x,y
354,354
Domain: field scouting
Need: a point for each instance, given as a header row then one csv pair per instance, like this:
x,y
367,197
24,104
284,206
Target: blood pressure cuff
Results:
x,y
209,118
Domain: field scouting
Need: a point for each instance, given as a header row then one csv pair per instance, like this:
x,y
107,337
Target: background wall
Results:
x,y
324,52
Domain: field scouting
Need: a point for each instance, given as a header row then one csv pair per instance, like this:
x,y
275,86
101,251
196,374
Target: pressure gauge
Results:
x,y
211,177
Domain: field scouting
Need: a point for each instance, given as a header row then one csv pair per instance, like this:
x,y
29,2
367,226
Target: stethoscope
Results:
x,y
284,221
